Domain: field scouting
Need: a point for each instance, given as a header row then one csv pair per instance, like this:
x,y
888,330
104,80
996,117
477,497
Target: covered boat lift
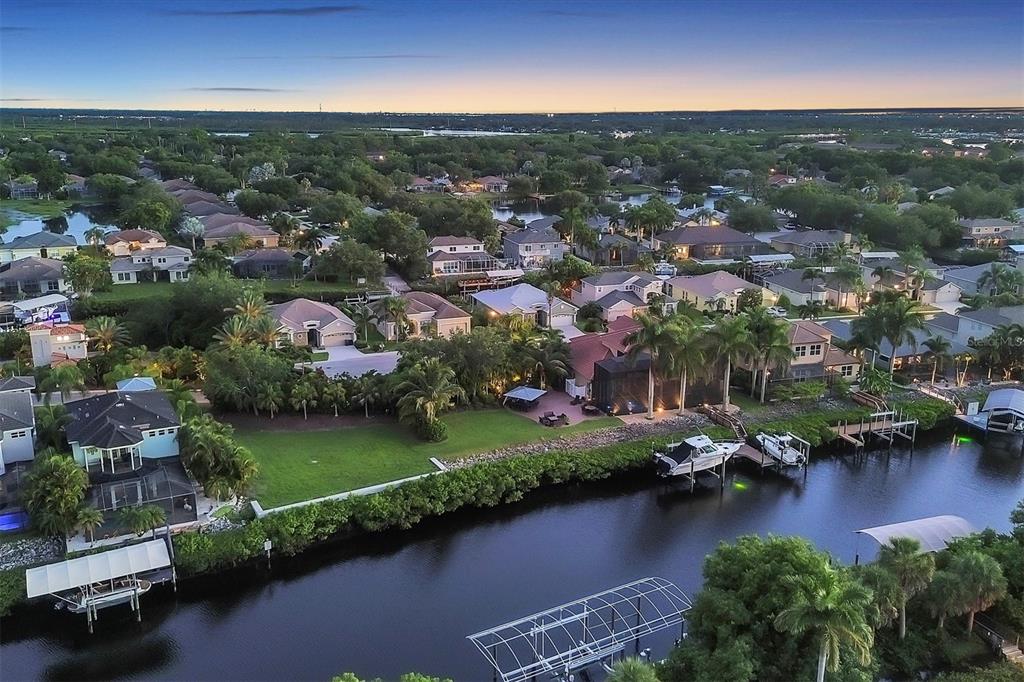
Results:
x,y
933,532
554,643
1003,412
89,583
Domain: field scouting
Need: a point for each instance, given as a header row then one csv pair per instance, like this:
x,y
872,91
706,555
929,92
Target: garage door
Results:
x,y
336,339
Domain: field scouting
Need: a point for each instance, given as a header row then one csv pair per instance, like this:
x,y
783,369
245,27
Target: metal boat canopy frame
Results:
x,y
582,632
96,568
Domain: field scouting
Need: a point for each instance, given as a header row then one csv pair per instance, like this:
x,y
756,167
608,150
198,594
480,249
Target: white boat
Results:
x,y
665,269
694,454
104,595
780,448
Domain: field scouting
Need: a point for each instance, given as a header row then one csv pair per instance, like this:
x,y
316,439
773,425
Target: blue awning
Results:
x,y
136,384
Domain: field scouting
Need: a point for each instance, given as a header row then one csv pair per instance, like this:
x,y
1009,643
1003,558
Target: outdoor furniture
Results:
x,y
590,409
547,419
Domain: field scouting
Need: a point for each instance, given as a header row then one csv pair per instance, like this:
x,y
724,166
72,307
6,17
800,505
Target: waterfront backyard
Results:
x,y
300,464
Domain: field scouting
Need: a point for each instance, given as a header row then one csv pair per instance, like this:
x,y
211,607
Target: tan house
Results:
x,y
714,291
58,343
126,242
814,356
311,323
428,315
261,235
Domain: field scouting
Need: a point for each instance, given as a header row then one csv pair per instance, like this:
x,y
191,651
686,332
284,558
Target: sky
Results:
x,y
480,56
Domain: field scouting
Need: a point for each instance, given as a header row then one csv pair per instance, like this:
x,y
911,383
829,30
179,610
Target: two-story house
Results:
x,y
41,245
968,327
618,293
714,291
986,233
259,234
814,356
32,276
57,343
426,314
450,255
127,242
534,248
169,263
17,422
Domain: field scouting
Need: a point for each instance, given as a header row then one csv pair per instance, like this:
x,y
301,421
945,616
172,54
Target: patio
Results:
x,y
559,403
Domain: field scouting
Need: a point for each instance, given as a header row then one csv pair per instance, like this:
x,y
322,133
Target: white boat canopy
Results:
x,y
96,568
934,532
39,302
527,393
1005,400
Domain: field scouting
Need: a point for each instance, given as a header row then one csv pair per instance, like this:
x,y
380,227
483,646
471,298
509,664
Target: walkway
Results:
x,y
352,361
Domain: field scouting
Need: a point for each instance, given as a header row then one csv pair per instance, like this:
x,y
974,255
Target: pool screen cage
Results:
x,y
558,641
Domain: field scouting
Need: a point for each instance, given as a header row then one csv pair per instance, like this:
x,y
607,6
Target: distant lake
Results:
x,y
77,221
450,133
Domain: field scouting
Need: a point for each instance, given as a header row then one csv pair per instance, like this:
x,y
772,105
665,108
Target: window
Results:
x,y
846,370
52,286
800,351
815,349
124,277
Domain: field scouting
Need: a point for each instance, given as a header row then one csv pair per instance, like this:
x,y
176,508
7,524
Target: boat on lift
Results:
x,y
103,595
781,448
693,455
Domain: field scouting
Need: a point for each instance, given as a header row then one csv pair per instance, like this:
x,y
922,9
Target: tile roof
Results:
x,y
712,283
201,208
133,235
219,219
295,313
118,419
807,331
58,330
425,301
586,350
229,230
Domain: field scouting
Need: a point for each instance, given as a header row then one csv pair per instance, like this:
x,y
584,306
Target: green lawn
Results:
x,y
308,286
149,290
135,292
301,465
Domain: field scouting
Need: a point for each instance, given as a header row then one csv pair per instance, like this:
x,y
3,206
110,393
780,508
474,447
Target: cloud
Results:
x,y
25,99
347,57
309,11
232,89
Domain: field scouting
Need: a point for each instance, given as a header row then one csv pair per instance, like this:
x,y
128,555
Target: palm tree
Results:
x,y
632,670
50,423
333,393
547,355
363,316
237,243
999,279
811,310
845,275
395,308
94,235
729,340
939,348
912,261
311,238
884,274
63,379
268,397
943,596
912,568
251,305
265,331
234,333
106,333
901,319
368,391
143,518
304,395
833,607
981,583
771,340
652,336
89,519
429,389
684,352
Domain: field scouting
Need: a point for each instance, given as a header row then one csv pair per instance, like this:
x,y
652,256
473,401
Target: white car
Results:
x,y
777,311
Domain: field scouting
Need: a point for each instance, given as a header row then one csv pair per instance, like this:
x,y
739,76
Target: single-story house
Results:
x,y
57,343
177,184
259,233
428,315
204,208
170,263
126,242
270,263
613,249
967,278
939,292
191,196
799,291
714,291
492,183
33,276
310,323
41,244
970,326
528,302
706,242
221,219
21,190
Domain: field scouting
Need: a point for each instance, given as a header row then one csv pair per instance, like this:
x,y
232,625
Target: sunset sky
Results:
x,y
477,56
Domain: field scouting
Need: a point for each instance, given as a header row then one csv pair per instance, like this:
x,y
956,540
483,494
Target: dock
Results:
x,y
887,425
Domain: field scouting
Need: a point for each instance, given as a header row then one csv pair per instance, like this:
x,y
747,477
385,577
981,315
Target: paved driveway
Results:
x,y
350,360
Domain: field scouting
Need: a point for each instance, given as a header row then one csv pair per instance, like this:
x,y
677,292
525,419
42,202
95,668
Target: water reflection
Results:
x,y
76,222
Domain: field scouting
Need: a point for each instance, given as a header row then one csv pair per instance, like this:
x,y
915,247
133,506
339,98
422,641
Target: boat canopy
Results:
x,y
934,532
96,568
1005,400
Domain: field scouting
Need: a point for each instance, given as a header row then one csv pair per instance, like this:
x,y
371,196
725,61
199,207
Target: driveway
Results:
x,y
350,360
395,284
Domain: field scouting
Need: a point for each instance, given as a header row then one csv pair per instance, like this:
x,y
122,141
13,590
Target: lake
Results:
x,y
405,601
77,221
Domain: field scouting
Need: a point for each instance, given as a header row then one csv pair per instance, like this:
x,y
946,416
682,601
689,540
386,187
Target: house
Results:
x,y
491,183
33,276
221,219
126,242
613,249
17,422
204,208
428,315
75,185
41,244
310,323
699,215
260,234
419,184
810,243
905,206
170,263
781,180
57,343
177,184
601,224
643,286
715,291
449,255
545,223
707,242
586,350
986,233
534,248
940,192
191,196
270,264
907,354
939,293
26,189
528,302
967,278
814,356
136,383
1014,255
968,327
898,277
799,291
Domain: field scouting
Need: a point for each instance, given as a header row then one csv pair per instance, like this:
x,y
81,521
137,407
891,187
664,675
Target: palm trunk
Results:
x,y
970,622
366,407
935,369
682,392
903,621
650,390
942,620
304,414
822,661
725,389
335,409
764,382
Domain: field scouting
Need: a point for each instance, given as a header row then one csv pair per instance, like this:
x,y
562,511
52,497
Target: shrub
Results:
x,y
12,589
434,431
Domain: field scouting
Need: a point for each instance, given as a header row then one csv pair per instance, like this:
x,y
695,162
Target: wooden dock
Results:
x,y
887,425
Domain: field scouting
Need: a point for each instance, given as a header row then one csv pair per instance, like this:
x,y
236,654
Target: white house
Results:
x,y
17,422
450,255
169,263
529,302
57,343
126,242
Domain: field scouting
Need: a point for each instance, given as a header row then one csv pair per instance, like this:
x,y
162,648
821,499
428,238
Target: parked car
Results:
x,y
777,311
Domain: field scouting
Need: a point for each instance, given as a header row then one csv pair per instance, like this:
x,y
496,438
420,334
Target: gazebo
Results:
x,y
523,397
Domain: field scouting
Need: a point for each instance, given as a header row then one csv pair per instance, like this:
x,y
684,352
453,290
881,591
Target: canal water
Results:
x,y
406,602
77,221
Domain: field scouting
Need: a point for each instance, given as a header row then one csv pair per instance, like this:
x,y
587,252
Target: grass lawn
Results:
x,y
301,465
320,356
135,292
634,189
308,286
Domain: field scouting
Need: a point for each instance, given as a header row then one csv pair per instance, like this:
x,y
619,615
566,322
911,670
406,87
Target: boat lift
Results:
x,y
553,644
98,581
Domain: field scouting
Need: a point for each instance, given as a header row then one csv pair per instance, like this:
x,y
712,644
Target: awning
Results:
x,y
527,393
40,302
1005,399
504,274
934,532
136,384
95,568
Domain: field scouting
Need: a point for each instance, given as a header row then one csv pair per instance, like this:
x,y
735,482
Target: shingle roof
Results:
x,y
694,236
295,313
41,239
117,419
609,300
545,222
793,280
804,237
531,235
986,222
423,301
17,383
449,240
523,297
229,230
201,208
621,277
134,235
32,268
712,283
220,219
16,411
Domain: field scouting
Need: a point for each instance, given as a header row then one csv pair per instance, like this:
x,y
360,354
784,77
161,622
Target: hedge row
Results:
x,y
12,589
